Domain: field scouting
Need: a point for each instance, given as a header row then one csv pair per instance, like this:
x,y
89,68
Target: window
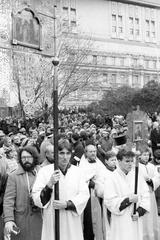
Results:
x,y
114,29
65,16
153,34
137,21
150,30
120,25
114,24
69,14
117,25
94,59
146,63
113,79
105,78
114,19
154,64
135,62
137,32
113,60
131,26
134,28
147,29
136,81
73,17
104,58
122,61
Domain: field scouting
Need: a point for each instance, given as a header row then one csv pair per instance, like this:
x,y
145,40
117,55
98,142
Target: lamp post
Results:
x,y
55,63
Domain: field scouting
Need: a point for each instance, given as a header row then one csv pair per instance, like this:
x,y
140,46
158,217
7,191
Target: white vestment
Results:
x,y
95,171
118,187
72,186
151,226
98,173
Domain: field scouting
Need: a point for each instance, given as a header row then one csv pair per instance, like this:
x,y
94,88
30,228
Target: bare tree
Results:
x,y
32,83
73,74
33,79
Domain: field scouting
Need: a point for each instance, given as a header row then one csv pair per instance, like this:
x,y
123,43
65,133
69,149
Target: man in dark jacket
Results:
x,y
78,149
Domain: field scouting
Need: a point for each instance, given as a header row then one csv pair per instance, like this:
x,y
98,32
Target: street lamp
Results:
x,y
55,61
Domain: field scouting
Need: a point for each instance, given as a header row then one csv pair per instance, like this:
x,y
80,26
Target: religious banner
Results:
x,y
137,126
27,29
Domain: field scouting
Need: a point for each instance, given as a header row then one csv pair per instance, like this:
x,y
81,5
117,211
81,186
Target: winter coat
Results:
x,y
18,206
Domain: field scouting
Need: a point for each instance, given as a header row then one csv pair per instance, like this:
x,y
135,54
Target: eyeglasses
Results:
x,y
26,157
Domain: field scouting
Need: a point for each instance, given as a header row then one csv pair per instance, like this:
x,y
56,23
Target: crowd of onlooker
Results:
x,y
80,128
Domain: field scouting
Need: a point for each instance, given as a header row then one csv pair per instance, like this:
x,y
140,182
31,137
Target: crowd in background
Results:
x,y
80,129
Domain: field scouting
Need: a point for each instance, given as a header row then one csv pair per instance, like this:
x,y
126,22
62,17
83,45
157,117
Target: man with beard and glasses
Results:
x,y
19,209
49,155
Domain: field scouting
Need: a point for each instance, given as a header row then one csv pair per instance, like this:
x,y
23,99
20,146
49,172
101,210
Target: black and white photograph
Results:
x,y
80,120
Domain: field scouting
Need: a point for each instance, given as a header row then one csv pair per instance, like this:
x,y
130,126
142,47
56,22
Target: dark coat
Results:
x,y
155,139
78,151
17,206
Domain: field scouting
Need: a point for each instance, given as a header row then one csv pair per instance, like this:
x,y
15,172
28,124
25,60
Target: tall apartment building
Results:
x,y
124,49
126,37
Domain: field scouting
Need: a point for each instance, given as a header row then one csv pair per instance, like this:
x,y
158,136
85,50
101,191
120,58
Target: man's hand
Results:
x,y
54,178
58,204
133,198
9,227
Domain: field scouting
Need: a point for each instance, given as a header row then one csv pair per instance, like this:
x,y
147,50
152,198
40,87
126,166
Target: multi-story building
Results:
x,y
126,37
124,49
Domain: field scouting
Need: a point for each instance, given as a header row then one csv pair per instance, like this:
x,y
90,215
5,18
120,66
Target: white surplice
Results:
x,y
97,172
118,187
72,186
151,226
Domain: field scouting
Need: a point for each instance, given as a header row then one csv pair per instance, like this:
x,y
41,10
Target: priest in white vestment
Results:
x,y
95,174
119,198
73,195
151,225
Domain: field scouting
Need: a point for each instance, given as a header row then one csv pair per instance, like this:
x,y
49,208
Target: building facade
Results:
x,y
124,46
126,37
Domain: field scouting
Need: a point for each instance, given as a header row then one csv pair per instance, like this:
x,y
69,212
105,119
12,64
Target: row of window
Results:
x,y
113,80
122,61
67,10
117,80
135,27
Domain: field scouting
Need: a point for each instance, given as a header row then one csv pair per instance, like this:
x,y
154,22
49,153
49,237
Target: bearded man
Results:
x,y
19,209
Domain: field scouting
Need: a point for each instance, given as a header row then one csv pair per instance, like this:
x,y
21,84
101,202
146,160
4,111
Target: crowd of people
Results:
x,y
96,176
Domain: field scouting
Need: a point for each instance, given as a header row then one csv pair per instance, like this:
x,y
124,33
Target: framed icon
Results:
x,y
137,131
27,30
